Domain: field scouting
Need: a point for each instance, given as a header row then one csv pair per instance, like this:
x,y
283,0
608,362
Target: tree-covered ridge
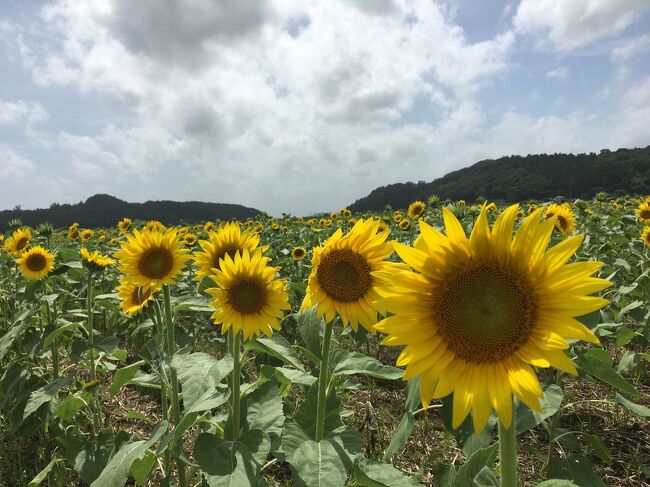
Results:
x,y
517,178
104,211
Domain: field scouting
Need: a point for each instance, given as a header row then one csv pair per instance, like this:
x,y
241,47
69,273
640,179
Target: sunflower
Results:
x,y
208,227
36,263
341,281
249,297
94,261
480,312
405,224
152,258
155,226
189,239
18,242
227,240
565,219
346,213
398,217
645,236
491,208
134,298
259,228
124,225
461,203
73,232
416,209
643,212
298,253
112,242
86,235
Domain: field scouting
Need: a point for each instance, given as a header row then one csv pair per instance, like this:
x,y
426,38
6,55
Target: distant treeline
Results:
x,y
105,211
517,178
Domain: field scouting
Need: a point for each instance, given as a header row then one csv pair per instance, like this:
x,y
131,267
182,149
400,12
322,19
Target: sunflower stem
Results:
x,y
508,453
235,394
163,387
97,418
160,326
322,381
171,348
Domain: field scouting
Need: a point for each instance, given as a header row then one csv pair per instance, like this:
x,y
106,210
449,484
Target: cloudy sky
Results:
x,y
305,105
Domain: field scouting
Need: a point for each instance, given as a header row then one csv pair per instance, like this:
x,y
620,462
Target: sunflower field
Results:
x,y
447,344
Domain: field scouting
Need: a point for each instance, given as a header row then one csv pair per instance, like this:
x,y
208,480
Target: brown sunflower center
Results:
x,y
486,313
140,295
298,253
36,262
564,224
247,296
21,243
156,263
344,275
644,214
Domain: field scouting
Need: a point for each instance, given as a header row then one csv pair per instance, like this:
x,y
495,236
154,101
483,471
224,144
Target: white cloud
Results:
x,y
559,73
631,48
570,24
13,112
13,165
632,123
233,97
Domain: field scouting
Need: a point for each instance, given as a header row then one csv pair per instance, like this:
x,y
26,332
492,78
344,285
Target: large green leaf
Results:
x,y
231,463
292,437
124,375
527,418
556,483
400,436
90,458
637,409
369,473
484,457
306,414
262,410
344,362
309,327
155,356
42,475
209,400
199,372
278,347
72,404
116,472
44,395
61,330
606,373
7,340
576,468
317,465
287,375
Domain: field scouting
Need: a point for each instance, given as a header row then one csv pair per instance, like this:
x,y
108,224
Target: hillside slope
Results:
x,y
104,211
516,178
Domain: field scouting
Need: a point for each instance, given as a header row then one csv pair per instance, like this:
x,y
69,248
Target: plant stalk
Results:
x,y
171,348
322,381
234,340
97,415
508,452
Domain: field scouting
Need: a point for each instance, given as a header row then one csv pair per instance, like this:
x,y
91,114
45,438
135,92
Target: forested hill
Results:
x,y
517,178
105,211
